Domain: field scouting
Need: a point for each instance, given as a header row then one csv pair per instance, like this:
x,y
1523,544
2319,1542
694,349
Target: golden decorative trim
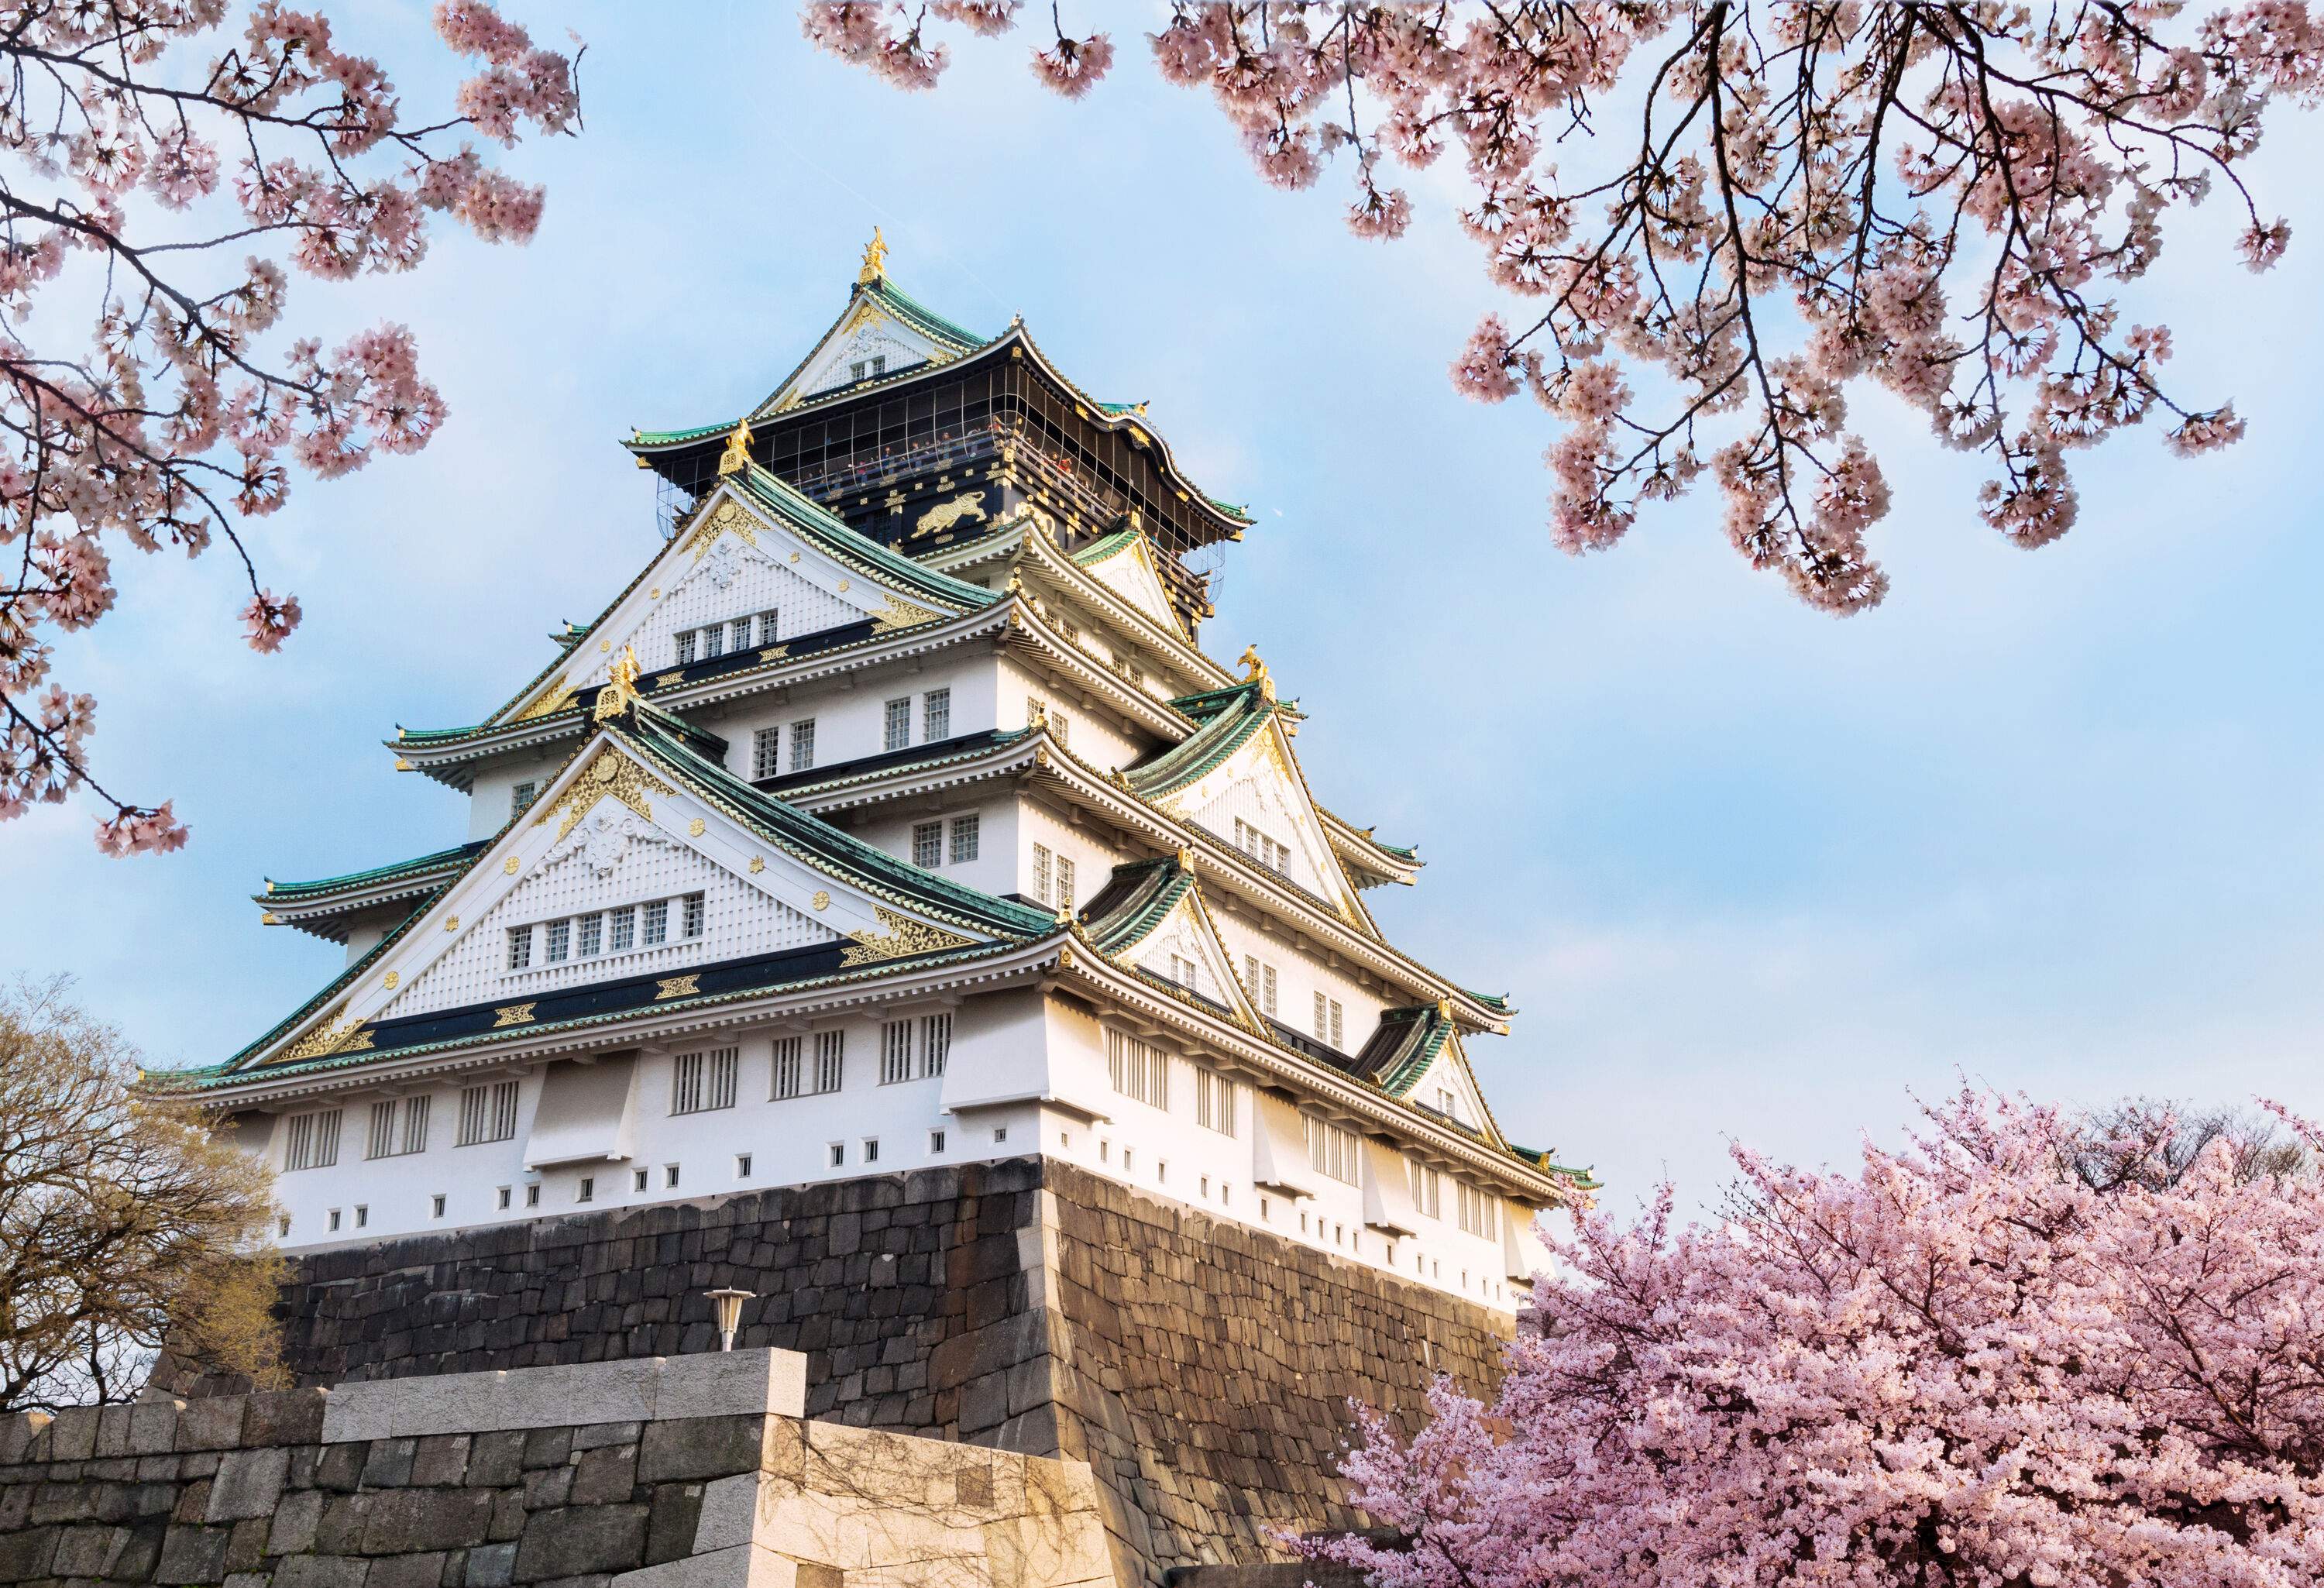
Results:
x,y
676,986
270,919
774,653
559,698
403,765
393,980
844,586
794,556
694,828
1040,755
513,1014
611,776
896,614
1065,959
904,935
728,518
620,690
669,680
757,864
452,923
822,901
605,645
876,260
654,594
948,515
509,866
334,1033
737,456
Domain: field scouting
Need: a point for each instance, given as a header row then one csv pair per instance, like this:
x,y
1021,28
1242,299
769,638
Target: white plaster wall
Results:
x,y
1089,848
849,714
1299,976
493,790
1094,735
994,869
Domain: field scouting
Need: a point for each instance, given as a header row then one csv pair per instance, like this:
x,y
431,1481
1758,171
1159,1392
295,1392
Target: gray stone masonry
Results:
x,y
1201,1367
690,1472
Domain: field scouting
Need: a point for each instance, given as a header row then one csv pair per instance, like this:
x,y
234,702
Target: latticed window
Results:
x,y
1065,882
895,1052
1138,1069
699,1082
1331,1019
1331,1149
487,1113
560,941
657,922
1041,860
767,753
591,931
519,947
936,716
766,628
1261,848
1214,1102
690,912
714,641
830,1060
311,1141
1260,977
927,845
802,744
397,1126
936,1043
1427,1188
686,642
787,1067
1475,1205
521,796
897,729
963,838
740,632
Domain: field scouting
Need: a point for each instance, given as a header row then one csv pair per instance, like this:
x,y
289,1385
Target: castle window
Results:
x,y
533,1195
740,632
687,641
624,922
999,1135
311,1141
927,845
830,1060
436,1206
521,796
560,941
1214,1102
1261,847
802,746
838,1154
283,1227
519,947
699,1082
640,1180
936,1043
1260,978
335,1220
766,628
669,1177
690,909
657,923
1061,730
593,935
1476,1209
384,1140
895,1052
714,641
963,838
742,1166
1182,971
1331,1019
1427,1188
587,1193
363,1215
1041,872
936,1145
787,1067
767,753
501,1198
870,1150
1331,1149
1138,1069
936,716
1064,882
486,1114
897,730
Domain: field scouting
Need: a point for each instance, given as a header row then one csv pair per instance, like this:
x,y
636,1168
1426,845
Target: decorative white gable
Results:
x,y
1184,947
865,333
733,565
1129,573
611,832
1255,786
1448,1086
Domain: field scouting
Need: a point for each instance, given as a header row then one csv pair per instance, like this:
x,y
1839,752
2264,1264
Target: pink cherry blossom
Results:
x,y
1072,66
2022,1349
1758,206
176,418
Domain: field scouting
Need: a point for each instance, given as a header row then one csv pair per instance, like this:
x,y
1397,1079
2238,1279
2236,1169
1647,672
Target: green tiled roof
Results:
x,y
916,313
1135,900
673,437
869,555
1586,1179
1097,552
277,892
1232,509
1228,717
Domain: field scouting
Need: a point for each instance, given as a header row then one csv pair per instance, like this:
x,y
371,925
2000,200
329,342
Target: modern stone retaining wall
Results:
x,y
689,1473
1201,1368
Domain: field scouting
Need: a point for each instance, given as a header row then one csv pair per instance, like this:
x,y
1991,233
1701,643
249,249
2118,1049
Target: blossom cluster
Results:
x,y
1815,194
2022,1351
175,422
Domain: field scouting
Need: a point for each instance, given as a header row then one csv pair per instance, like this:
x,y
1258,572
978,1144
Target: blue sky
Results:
x,y
2052,819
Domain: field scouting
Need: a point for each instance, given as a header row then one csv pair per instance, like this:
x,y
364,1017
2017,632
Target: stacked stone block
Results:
x,y
1203,1367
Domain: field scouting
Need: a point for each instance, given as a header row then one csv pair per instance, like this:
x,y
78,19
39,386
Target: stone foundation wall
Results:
x,y
696,1472
1201,1367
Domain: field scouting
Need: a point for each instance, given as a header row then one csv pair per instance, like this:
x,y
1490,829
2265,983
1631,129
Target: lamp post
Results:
x,y
729,1302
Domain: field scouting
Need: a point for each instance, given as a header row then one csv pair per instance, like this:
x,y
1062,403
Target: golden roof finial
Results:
x,y
1252,667
737,456
876,260
620,690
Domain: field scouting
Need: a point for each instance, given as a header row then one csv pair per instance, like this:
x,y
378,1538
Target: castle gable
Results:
x,y
1124,564
1151,915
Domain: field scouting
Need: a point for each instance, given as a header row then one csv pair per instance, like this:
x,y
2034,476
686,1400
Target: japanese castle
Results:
x,y
893,816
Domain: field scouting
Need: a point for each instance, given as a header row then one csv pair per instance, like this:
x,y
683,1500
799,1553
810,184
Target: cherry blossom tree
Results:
x,y
1719,216
2026,1350
172,173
